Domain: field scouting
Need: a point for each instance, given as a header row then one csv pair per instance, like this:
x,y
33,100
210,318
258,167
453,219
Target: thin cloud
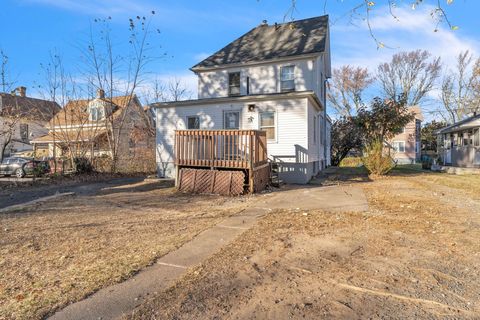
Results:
x,y
95,7
413,30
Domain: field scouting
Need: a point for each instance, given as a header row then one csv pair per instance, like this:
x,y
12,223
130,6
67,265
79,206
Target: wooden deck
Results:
x,y
223,149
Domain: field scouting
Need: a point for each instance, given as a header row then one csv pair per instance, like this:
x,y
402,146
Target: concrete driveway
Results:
x,y
340,198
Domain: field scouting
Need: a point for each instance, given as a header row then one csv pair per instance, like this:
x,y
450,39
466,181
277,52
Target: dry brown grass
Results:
x,y
411,256
59,252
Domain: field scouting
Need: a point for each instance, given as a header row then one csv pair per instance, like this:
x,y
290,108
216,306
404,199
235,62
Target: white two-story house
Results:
x,y
273,78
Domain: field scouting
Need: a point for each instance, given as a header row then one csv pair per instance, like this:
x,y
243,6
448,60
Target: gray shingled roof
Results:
x,y
272,41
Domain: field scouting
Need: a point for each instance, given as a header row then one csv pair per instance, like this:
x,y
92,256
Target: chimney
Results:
x,y
100,94
22,91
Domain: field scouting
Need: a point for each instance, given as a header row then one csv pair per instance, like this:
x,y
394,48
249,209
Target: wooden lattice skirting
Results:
x,y
221,182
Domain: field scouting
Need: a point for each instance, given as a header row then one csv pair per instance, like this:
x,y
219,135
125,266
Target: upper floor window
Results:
x,y
287,78
97,112
193,122
234,84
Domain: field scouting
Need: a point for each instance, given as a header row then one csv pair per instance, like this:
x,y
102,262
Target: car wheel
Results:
x,y
19,173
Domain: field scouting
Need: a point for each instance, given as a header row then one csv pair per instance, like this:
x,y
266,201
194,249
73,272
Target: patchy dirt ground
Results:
x,y
58,252
414,255
16,191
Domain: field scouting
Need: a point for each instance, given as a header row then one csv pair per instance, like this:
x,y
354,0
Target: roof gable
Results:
x,y
266,42
75,112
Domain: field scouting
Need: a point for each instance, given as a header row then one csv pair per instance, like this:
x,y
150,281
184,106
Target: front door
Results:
x,y
231,121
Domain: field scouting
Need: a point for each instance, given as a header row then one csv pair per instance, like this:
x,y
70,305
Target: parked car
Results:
x,y
20,167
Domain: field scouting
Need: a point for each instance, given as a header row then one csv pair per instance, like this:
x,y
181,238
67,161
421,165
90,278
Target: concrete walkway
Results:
x,y
119,299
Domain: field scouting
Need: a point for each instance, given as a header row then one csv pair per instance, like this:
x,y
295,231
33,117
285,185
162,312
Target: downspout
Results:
x,y
325,121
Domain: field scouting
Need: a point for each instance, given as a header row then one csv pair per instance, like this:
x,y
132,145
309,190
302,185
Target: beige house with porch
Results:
x,y
84,129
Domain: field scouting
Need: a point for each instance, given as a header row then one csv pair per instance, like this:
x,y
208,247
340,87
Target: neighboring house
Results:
x,y
407,144
22,119
459,144
273,79
84,128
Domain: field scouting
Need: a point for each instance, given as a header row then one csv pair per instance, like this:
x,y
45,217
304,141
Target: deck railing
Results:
x,y
243,149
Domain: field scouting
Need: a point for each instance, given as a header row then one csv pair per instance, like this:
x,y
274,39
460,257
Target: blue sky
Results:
x,y
190,30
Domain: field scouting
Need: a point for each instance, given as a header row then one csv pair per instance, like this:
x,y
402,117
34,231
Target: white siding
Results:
x,y
316,137
264,78
290,145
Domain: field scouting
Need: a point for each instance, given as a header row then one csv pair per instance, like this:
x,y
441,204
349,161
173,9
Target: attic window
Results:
x,y
234,84
96,112
287,78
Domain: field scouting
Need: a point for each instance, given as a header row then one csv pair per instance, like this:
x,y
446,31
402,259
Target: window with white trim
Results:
x,y
267,124
398,146
476,138
231,120
97,112
287,78
193,122
234,84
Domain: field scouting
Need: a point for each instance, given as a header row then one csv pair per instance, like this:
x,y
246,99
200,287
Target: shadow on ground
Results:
x,y
139,187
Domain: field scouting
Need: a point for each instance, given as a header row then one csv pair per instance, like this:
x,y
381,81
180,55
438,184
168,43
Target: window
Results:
x,y
476,138
193,122
96,112
267,123
399,146
234,84
315,129
466,139
231,120
287,78
417,147
248,86
24,132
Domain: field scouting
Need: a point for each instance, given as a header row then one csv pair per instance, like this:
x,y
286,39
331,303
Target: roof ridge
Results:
x,y
300,20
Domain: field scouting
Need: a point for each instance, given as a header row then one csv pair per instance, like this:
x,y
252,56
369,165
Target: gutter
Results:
x,y
305,56
260,97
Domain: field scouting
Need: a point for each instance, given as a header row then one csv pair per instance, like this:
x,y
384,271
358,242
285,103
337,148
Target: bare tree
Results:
x,y
6,82
460,88
107,71
346,89
69,128
363,10
178,90
9,119
409,74
156,91
9,115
